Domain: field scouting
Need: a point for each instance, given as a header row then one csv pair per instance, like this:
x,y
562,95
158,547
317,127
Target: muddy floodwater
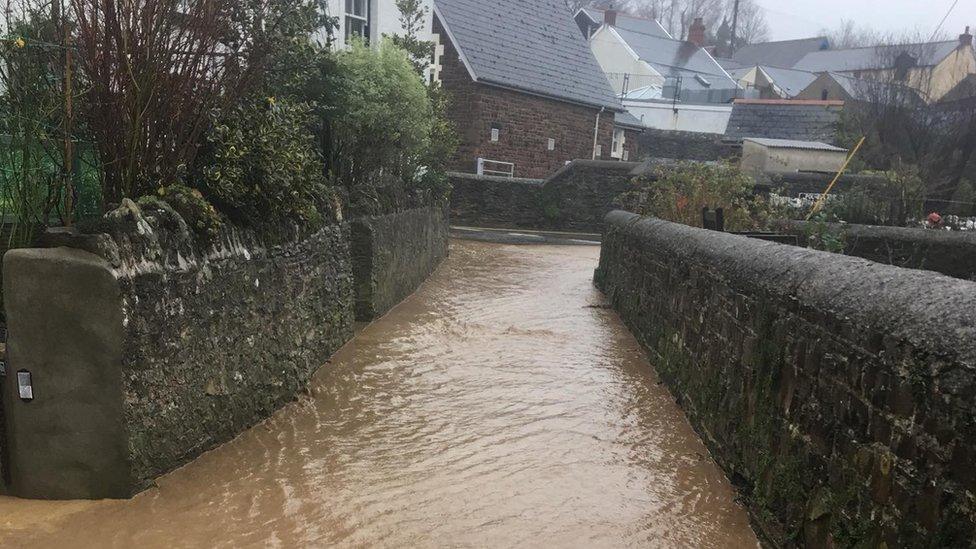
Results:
x,y
499,406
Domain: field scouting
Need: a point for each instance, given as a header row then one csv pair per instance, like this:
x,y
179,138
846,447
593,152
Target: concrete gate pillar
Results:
x,y
65,327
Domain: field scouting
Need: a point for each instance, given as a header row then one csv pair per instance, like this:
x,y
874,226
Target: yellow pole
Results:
x,y
823,198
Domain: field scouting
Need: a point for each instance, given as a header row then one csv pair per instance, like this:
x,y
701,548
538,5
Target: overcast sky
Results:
x,y
803,18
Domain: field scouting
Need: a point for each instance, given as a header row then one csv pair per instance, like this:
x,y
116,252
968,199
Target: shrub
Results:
x,y
894,199
388,141
263,169
679,193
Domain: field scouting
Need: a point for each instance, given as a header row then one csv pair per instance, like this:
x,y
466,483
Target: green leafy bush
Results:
x,y
679,193
388,139
263,169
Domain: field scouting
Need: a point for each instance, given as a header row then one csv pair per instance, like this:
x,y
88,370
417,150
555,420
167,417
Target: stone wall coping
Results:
x,y
625,167
494,178
931,311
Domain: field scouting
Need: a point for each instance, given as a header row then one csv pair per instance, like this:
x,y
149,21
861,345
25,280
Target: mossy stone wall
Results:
x,y
838,393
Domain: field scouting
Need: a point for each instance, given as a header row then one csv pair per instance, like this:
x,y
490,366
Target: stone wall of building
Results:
x,y
148,347
837,393
949,253
394,254
525,123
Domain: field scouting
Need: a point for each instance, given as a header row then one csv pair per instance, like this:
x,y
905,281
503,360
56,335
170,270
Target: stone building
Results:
x,y
527,94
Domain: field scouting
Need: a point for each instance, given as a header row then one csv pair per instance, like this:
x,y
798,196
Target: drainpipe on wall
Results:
x,y
596,131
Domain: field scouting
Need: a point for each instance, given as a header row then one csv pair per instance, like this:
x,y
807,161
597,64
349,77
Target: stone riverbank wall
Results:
x,y
576,198
951,253
838,393
147,348
393,254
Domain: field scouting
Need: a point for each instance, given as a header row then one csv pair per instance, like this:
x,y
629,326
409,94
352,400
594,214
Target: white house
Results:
x,y
370,19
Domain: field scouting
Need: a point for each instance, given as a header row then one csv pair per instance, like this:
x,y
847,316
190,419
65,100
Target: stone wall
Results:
x,y
838,393
949,253
579,196
148,347
576,198
496,202
394,254
680,145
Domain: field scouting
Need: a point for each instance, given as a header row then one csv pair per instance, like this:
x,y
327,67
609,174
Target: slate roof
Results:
x,y
785,53
673,58
629,23
867,90
794,144
780,119
528,45
874,57
790,81
627,120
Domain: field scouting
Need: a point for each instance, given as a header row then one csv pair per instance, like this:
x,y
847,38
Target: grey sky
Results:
x,y
803,18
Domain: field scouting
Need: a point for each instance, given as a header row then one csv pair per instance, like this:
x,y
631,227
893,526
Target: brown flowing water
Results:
x,y
501,405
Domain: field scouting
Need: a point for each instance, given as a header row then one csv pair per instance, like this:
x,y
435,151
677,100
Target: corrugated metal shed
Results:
x,y
794,144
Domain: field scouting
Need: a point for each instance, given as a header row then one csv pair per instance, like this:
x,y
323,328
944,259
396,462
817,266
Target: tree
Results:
x,y
890,110
849,34
158,68
676,17
413,19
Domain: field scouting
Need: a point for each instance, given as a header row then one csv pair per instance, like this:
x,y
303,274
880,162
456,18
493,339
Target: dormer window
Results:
x,y
357,20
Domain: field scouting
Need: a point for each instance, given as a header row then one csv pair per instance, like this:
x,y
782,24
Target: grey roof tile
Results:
x,y
674,58
784,53
875,57
630,23
791,81
529,45
801,121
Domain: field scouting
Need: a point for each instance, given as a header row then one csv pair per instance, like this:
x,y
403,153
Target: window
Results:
x,y
824,95
552,144
495,134
357,19
618,143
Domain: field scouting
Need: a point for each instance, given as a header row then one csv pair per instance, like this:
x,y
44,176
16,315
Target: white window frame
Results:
x,y
619,139
363,18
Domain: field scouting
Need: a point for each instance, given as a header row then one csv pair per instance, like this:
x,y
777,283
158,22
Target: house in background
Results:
x,y
933,68
527,94
772,82
841,87
640,54
665,83
590,20
367,19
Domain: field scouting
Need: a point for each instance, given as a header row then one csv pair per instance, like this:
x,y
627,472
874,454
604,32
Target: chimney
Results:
x,y
696,34
966,39
610,16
